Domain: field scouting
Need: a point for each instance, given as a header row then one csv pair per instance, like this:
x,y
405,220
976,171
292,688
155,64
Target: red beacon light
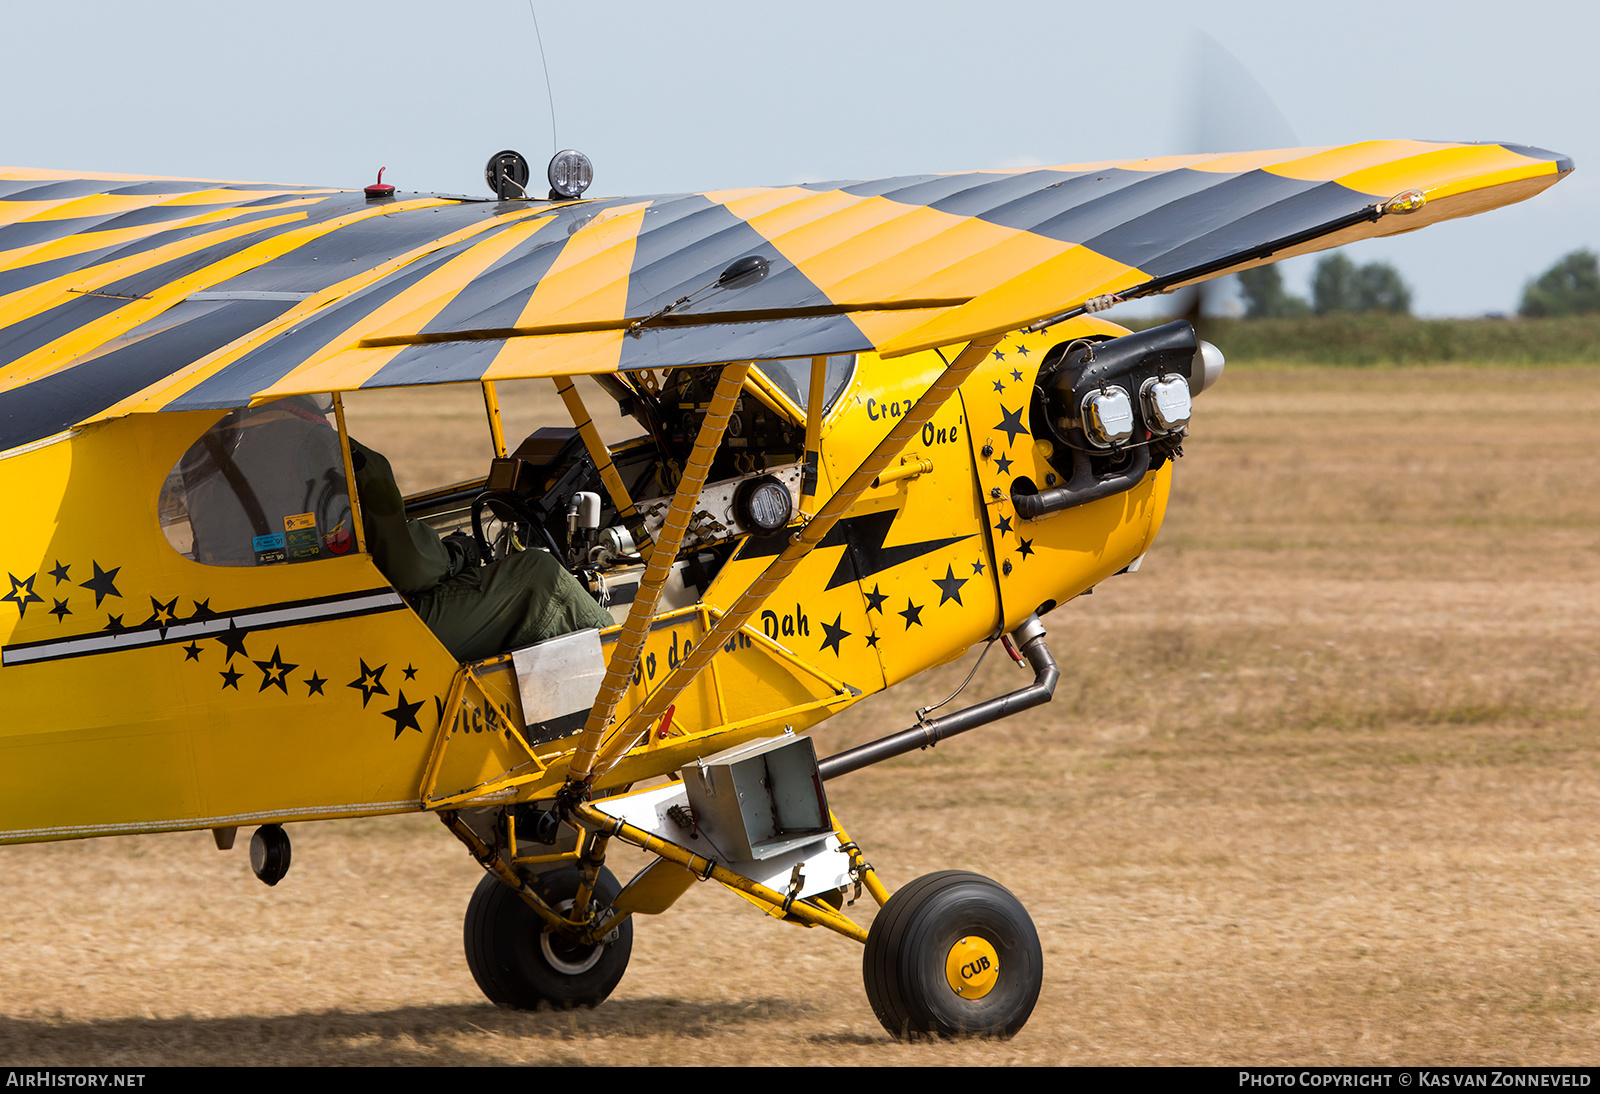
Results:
x,y
379,189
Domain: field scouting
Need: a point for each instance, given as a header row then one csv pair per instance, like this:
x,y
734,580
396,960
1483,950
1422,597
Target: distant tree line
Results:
x,y
1570,287
1337,286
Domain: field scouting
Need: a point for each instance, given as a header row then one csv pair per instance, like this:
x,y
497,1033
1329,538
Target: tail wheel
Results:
x,y
953,954
518,963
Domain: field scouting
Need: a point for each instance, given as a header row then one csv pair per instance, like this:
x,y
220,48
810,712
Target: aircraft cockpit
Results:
x,y
271,484
550,490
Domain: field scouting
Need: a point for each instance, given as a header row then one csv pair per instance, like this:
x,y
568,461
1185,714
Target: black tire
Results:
x,y
519,964
921,927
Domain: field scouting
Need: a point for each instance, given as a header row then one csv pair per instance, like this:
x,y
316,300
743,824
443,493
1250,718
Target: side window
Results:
x,y
265,485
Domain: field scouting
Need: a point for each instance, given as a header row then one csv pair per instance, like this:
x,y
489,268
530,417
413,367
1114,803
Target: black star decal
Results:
x,y
60,611
162,615
1016,374
913,614
998,356
1004,526
411,673
950,585
60,572
998,386
102,584
202,610
230,678
274,673
875,600
1020,348
1024,547
872,641
1002,465
371,683
404,715
232,640
191,652
26,589
314,685
1012,424
977,567
114,623
836,634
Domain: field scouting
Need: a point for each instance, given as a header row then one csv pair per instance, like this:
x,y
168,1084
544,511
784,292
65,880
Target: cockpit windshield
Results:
x,y
792,376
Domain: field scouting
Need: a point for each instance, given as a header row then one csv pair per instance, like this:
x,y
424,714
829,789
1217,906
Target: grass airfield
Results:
x,y
1319,786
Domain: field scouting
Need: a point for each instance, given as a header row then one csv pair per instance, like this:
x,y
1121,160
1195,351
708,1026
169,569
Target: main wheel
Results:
x,y
519,963
953,954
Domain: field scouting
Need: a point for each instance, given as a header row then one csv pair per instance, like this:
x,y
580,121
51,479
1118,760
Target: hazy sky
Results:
x,y
692,96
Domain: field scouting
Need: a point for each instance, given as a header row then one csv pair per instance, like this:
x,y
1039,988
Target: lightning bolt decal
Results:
x,y
864,555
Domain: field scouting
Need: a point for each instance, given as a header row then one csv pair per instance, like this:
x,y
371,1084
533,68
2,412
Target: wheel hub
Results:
x,y
567,954
972,967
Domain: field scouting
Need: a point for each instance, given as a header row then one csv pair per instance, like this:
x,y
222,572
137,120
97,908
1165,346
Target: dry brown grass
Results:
x,y
1319,786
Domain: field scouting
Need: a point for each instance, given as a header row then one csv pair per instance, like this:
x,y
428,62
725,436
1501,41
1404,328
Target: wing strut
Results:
x,y
625,657
800,545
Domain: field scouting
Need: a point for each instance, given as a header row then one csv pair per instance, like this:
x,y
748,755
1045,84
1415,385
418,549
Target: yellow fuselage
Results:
x,y
144,691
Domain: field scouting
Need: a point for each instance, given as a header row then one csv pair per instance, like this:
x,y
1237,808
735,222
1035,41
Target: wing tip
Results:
x,y
1563,163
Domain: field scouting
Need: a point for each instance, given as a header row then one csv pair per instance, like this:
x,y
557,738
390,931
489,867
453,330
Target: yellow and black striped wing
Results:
x,y
120,294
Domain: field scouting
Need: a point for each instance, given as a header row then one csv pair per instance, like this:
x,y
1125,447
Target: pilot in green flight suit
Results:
x,y
475,611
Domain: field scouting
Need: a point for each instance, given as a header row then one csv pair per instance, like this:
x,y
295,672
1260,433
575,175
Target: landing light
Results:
x,y
570,174
763,505
507,175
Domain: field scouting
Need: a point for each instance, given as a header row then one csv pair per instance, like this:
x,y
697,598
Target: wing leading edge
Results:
x,y
122,295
